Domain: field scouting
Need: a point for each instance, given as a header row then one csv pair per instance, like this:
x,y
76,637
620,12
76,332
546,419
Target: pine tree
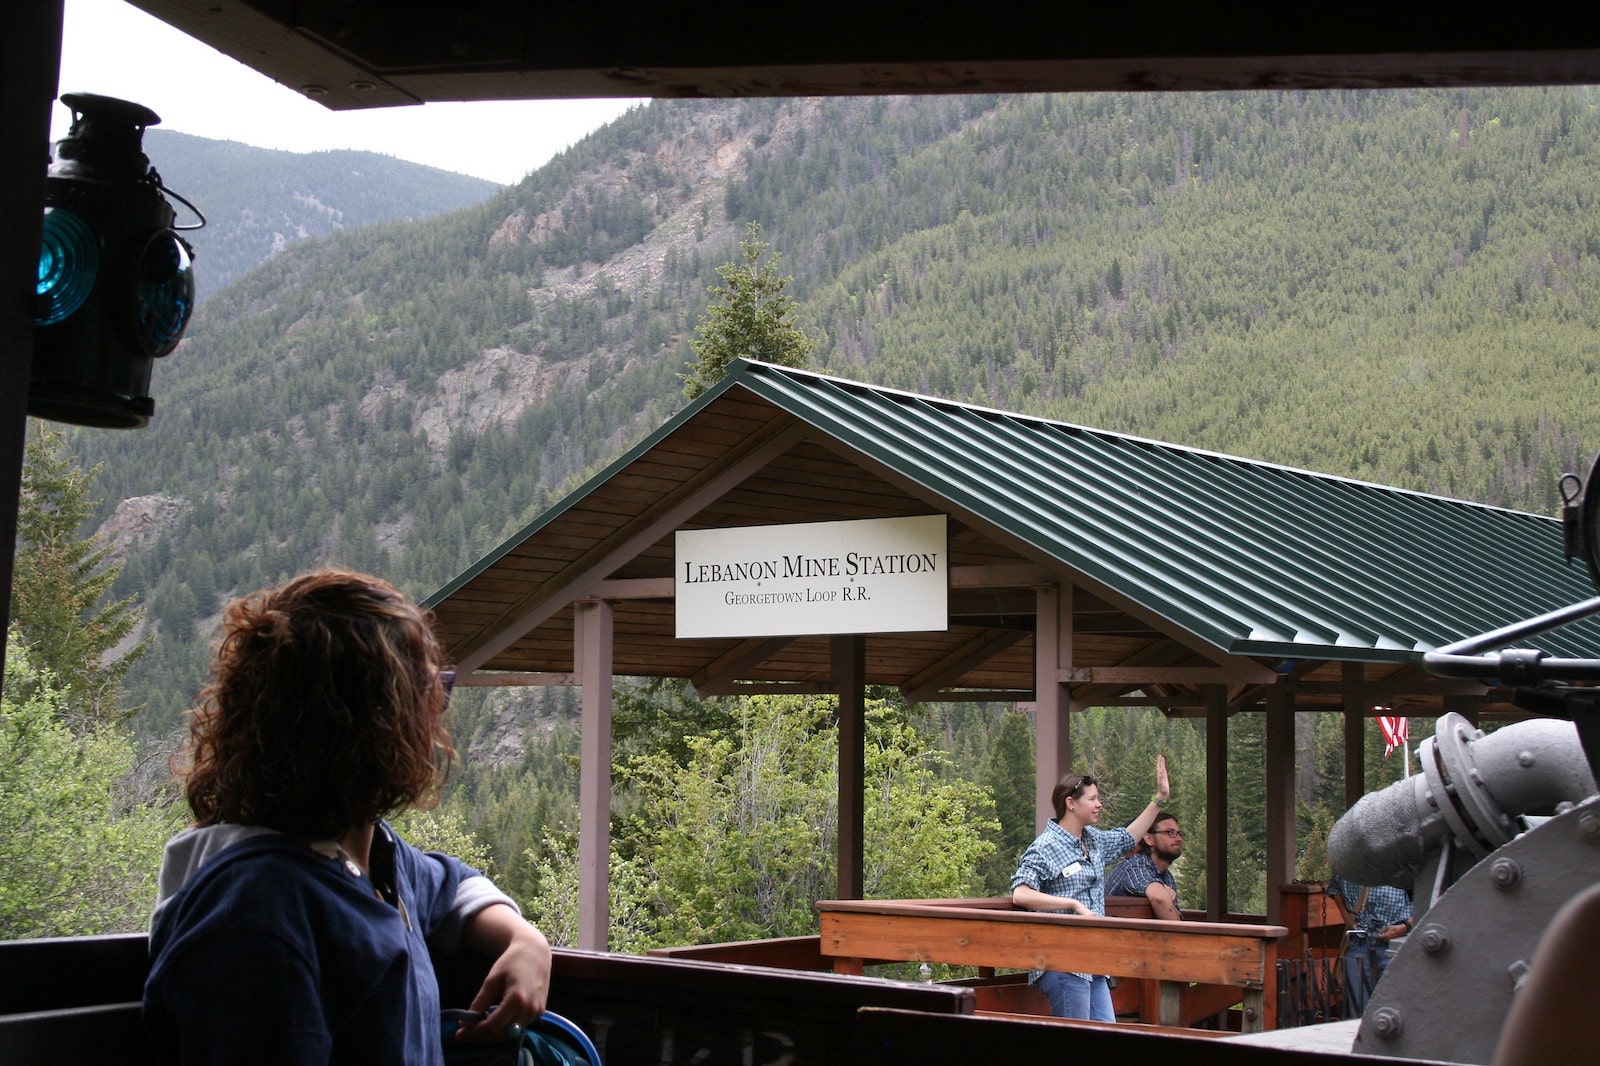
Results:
x,y
59,586
754,319
1009,772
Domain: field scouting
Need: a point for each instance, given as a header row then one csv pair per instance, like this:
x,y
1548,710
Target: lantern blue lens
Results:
x,y
69,260
163,293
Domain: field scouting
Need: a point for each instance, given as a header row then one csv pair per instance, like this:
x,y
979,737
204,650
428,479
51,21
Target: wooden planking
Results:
x,y
1208,953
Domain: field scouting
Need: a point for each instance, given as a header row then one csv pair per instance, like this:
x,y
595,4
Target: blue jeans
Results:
x,y
1364,963
1071,996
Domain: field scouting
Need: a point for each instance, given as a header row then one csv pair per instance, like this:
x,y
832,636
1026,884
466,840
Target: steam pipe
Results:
x,y
1472,790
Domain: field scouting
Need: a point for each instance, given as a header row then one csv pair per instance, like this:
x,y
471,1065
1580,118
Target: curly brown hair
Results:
x,y
325,712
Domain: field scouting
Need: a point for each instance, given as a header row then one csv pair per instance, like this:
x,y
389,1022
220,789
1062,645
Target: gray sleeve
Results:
x,y
472,895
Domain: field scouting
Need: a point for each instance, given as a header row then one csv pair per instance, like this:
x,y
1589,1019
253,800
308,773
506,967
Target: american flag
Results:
x,y
1396,731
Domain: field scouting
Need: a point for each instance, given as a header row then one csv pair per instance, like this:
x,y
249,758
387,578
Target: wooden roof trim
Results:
x,y
582,576
721,676
928,683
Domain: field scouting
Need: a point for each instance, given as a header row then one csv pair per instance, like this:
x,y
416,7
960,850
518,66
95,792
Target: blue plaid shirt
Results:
x,y
1136,873
1385,905
1058,864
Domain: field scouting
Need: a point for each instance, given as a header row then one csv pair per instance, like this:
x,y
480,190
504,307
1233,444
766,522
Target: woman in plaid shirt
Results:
x,y
1065,870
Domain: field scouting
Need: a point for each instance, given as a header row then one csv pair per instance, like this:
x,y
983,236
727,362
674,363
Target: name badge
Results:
x,y
1070,870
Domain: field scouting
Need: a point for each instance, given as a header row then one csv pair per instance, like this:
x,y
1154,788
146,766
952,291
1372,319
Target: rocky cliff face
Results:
x,y
138,521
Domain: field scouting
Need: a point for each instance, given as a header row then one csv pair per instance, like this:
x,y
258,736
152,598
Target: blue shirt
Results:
x,y
1136,873
1384,906
274,953
1059,864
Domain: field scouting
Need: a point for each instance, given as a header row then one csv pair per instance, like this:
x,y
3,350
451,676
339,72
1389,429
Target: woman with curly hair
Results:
x,y
294,925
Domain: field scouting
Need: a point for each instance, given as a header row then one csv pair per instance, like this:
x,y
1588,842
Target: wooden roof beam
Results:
x,y
721,677
584,575
925,685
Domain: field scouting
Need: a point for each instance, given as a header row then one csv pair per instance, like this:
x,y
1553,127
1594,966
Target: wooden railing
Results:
x,y
993,933
77,999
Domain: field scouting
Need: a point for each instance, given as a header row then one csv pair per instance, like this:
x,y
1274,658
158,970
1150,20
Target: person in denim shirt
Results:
x,y
294,925
1064,869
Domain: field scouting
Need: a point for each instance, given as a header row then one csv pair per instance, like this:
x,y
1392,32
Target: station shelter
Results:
x,y
1079,568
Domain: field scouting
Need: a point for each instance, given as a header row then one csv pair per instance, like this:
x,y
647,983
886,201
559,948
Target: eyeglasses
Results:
x,y
1167,833
447,681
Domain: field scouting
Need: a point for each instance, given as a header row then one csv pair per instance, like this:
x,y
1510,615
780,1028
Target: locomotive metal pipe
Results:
x,y
1472,790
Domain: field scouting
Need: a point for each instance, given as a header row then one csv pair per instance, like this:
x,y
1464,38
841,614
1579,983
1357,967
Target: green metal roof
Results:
x,y
1254,558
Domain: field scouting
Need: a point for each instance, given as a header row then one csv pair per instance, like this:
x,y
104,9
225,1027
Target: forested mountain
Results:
x,y
257,201
1394,285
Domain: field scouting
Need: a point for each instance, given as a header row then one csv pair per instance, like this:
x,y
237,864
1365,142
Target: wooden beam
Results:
x,y
30,58
1052,649
927,683
511,679
982,695
1376,692
849,674
637,588
1355,726
1000,576
945,931
1280,759
720,676
582,578
1159,675
1216,802
592,651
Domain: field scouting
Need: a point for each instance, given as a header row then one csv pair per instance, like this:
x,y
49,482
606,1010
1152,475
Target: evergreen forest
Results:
x,y
258,201
1400,286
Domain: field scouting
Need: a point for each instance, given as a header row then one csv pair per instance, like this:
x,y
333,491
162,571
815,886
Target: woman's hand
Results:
x,y
518,982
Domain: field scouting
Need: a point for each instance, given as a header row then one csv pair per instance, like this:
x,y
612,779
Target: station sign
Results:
x,y
876,575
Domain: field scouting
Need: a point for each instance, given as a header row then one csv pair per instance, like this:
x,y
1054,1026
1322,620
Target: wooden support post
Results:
x,y
1280,757
850,676
1052,653
1172,1003
1216,802
30,60
1355,734
592,654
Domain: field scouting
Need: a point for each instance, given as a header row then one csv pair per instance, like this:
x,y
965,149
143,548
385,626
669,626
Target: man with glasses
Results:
x,y
1148,871
1064,869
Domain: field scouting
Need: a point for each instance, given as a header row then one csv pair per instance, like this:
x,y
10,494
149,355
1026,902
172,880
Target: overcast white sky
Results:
x,y
114,49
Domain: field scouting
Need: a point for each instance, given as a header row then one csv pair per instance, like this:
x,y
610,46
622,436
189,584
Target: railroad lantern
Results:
x,y
116,281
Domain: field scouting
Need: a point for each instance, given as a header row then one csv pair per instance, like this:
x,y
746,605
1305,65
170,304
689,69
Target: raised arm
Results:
x,y
1141,825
